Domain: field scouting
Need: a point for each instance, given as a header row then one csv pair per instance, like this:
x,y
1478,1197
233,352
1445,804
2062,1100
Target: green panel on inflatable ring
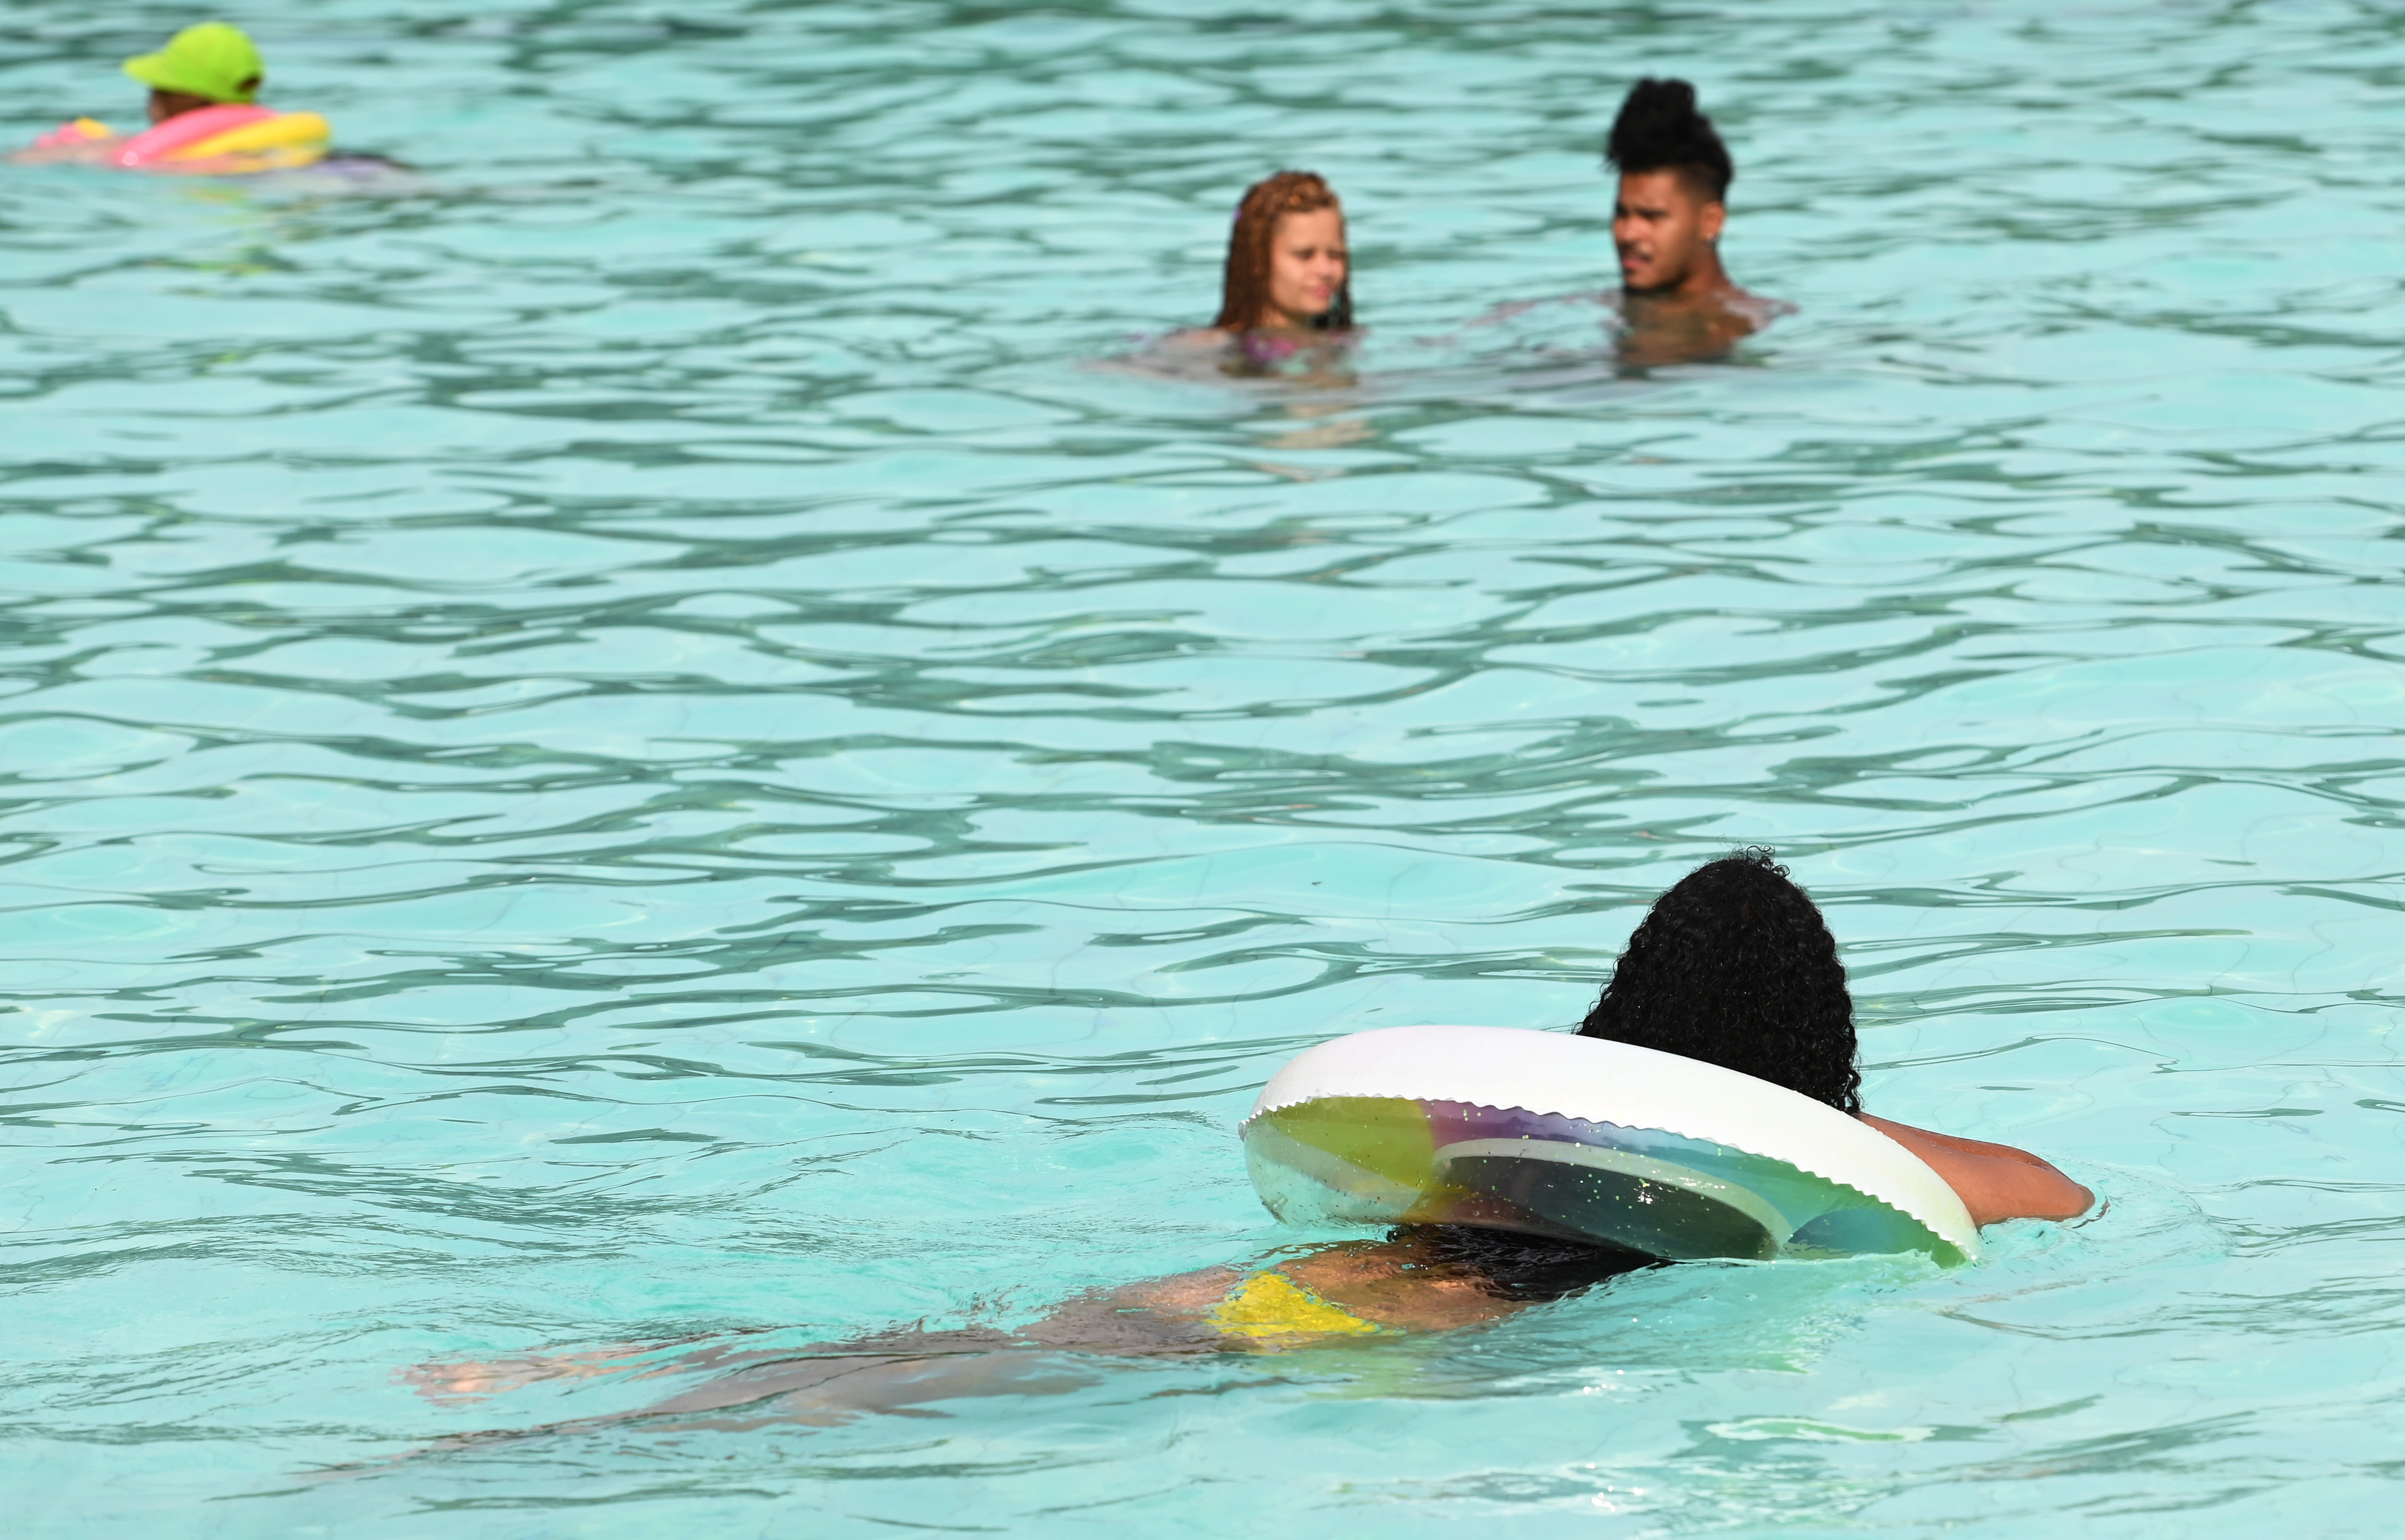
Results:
x,y
1554,1135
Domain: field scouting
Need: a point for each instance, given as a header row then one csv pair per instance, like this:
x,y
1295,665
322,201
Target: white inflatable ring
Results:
x,y
1555,1135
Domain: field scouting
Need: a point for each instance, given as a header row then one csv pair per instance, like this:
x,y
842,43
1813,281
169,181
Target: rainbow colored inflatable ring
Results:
x,y
233,138
1554,1135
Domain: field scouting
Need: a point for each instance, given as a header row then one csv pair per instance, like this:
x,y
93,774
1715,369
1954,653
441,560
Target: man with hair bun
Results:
x,y
1679,302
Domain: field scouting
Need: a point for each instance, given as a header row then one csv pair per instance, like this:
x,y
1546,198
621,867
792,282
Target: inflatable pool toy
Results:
x,y
232,138
1584,1140
75,134
235,136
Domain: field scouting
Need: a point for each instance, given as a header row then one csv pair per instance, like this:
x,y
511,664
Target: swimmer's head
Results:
x,y
1734,967
201,67
1674,182
1287,265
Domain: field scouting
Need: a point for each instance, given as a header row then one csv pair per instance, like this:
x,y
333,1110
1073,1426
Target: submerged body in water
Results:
x,y
1419,1279
1654,330
1637,332
1199,353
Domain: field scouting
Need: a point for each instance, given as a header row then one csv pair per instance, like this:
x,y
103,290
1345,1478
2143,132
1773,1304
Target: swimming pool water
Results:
x,y
642,737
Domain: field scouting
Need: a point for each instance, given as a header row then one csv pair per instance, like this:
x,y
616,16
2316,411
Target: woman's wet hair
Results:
x,y
1659,129
1533,1269
1245,291
1734,966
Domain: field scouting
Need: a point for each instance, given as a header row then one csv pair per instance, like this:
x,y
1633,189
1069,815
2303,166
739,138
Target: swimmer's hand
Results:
x,y
469,1380
1995,1181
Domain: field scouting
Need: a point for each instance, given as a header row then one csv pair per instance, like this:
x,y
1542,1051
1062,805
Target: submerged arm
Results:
x,y
1995,1181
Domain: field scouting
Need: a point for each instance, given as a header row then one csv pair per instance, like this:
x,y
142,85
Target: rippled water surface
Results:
x,y
640,735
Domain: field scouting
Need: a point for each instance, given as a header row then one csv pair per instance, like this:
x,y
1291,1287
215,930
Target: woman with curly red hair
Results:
x,y
1288,266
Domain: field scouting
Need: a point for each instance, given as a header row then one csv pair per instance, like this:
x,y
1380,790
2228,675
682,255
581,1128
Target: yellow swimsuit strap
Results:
x,y
1270,1306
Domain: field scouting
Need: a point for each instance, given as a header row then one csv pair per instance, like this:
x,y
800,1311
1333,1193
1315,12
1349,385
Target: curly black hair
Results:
x,y
1533,1269
1734,967
1659,129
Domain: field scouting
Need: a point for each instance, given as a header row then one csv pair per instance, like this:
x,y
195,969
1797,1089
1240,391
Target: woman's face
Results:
x,y
1307,264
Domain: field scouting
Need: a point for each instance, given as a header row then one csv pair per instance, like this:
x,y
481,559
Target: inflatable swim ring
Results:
x,y
1554,1135
233,137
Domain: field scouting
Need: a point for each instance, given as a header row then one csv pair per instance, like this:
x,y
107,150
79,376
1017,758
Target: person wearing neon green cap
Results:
x,y
204,114
206,66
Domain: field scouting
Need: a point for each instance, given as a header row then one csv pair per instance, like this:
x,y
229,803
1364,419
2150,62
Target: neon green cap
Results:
x,y
212,60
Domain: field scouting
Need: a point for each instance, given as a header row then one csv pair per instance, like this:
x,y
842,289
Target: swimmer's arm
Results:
x,y
1995,1181
91,151
454,1381
457,1380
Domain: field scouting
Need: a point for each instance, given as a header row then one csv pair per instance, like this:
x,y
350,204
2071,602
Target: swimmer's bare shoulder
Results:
x,y
1995,1181
1395,1284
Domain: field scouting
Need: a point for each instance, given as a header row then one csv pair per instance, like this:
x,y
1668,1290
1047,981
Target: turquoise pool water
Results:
x,y
641,738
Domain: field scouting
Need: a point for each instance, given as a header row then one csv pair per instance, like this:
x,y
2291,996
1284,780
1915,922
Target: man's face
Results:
x,y
175,104
1664,231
